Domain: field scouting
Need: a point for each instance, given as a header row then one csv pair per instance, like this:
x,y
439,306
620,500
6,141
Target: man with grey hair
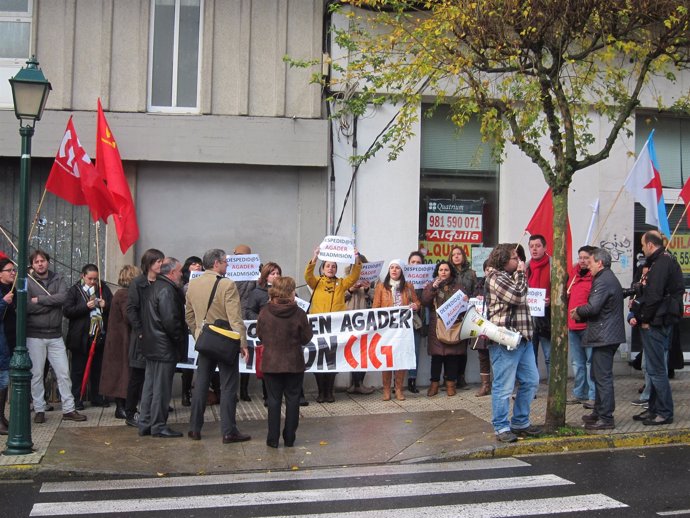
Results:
x,y
211,297
605,332
164,344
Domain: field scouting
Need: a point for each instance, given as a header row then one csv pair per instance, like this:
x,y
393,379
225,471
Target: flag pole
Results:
x,y
603,223
98,261
38,211
673,207
9,240
677,225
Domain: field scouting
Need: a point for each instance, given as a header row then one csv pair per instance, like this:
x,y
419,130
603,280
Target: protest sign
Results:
x,y
304,304
348,341
194,275
337,248
243,267
478,305
536,299
448,312
419,275
371,271
479,255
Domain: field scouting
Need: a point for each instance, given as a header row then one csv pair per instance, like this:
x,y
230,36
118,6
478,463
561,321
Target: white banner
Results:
x,y
419,274
536,299
450,309
348,341
337,248
243,267
371,272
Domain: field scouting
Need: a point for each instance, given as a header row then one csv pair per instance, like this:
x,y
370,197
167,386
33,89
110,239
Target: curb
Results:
x,y
564,445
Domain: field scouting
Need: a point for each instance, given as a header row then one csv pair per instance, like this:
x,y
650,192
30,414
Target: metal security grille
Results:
x,y
66,232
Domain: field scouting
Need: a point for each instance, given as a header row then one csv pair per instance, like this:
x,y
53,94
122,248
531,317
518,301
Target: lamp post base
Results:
x,y
19,436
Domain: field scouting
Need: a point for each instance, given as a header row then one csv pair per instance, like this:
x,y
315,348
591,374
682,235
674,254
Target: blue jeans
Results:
x,y
509,367
647,381
582,364
655,344
4,381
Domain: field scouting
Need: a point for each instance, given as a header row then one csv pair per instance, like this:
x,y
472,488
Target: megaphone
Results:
x,y
474,325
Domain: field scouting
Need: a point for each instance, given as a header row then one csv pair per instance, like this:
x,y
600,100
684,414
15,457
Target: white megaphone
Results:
x,y
474,325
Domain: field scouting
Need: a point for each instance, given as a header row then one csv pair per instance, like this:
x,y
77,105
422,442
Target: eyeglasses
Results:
x,y
9,270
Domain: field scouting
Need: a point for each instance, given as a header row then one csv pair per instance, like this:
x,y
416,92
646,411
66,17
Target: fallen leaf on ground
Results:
x,y
408,420
61,452
323,443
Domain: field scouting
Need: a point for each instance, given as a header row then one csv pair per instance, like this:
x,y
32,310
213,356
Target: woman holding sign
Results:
x,y
328,296
394,292
466,278
444,355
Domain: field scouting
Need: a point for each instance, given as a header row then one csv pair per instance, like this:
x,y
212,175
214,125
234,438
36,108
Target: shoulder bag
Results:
x,y
447,336
218,341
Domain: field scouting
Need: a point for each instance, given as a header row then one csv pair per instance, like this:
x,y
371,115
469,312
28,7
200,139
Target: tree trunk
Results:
x,y
558,384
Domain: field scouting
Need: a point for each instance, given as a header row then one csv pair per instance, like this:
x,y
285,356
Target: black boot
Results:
x,y
302,400
412,386
244,387
320,384
328,392
120,409
187,376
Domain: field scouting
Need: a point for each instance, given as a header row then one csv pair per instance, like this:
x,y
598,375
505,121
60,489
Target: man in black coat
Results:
x,y
656,312
605,332
163,346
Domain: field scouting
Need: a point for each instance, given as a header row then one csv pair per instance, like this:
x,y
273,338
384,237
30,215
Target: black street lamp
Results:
x,y
30,91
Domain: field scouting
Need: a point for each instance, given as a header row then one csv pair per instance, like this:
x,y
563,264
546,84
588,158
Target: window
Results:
x,y
672,143
458,189
175,49
15,43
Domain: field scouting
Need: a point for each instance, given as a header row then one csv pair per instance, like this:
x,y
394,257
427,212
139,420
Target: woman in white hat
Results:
x,y
395,291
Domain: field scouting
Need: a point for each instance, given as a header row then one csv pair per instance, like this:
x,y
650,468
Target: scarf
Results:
x,y
96,315
539,273
395,289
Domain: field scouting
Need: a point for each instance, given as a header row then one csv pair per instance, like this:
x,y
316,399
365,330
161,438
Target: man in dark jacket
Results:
x,y
605,332
164,344
656,311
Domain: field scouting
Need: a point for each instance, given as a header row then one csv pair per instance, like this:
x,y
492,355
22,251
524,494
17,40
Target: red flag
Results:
x,y
109,163
95,191
542,223
63,180
685,194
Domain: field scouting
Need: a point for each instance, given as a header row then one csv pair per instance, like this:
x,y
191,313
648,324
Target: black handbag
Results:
x,y
218,341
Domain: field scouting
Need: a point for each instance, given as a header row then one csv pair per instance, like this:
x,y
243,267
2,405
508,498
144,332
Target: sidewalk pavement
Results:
x,y
356,430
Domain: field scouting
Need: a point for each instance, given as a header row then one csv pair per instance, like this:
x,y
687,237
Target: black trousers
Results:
x,y
602,375
448,363
134,387
286,384
78,367
229,380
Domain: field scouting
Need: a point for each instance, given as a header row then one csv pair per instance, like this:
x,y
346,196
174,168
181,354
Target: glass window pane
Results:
x,y
162,64
14,39
672,143
14,6
188,54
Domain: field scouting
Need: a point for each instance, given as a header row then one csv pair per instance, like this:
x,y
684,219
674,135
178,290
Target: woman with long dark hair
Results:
x,y
443,356
394,291
86,308
466,278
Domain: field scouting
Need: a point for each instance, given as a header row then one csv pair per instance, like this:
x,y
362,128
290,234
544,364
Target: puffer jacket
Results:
x,y
256,300
44,318
603,311
165,330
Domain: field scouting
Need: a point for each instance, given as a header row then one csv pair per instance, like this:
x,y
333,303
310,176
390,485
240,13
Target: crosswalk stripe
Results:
x,y
314,474
294,496
505,509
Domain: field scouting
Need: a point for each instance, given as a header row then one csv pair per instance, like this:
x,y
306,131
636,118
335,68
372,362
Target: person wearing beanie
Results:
x,y
395,291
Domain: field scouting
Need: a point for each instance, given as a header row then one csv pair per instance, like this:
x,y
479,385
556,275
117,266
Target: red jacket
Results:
x,y
578,294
